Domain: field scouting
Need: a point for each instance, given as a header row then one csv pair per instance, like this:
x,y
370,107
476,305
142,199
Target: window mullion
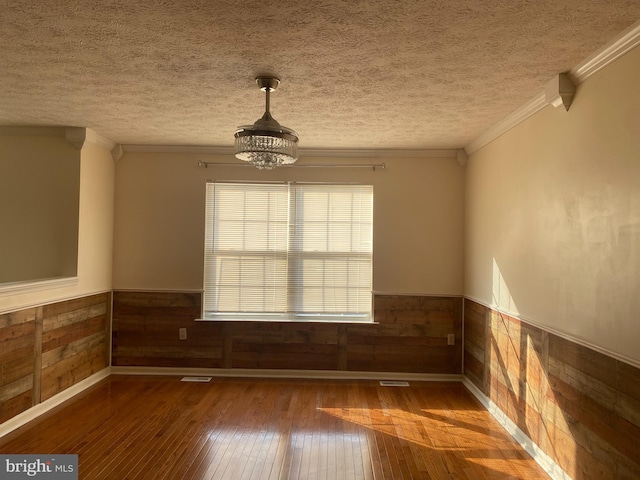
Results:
x,y
292,251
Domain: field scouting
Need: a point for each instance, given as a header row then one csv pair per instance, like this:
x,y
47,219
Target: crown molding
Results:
x,y
379,153
528,109
626,41
76,136
79,136
304,152
559,91
117,152
95,139
462,156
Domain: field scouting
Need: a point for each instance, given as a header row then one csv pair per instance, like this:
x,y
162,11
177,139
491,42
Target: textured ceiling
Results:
x,y
360,74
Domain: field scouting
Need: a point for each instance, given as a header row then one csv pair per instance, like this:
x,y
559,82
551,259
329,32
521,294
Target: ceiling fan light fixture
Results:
x,y
266,144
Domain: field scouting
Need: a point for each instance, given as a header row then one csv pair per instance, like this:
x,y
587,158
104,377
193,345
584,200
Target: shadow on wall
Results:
x,y
581,407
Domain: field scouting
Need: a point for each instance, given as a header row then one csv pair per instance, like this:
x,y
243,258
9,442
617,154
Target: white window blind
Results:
x,y
288,251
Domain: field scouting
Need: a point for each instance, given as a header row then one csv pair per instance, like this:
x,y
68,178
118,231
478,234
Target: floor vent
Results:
x,y
392,383
196,379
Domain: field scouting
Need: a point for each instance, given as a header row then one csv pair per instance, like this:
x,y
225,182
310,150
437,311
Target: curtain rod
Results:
x,y
334,165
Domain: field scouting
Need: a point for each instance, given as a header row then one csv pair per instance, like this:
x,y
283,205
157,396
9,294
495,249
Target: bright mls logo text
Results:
x,y
60,467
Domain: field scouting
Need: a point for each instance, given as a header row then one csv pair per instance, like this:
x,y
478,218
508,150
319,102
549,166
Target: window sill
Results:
x,y
257,320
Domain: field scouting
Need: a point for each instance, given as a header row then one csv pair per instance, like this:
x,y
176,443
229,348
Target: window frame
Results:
x,y
295,256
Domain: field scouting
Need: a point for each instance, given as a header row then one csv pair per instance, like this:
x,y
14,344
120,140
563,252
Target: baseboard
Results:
x,y
541,458
49,404
277,373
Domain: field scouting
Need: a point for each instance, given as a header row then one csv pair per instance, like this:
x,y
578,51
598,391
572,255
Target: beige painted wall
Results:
x,y
39,195
159,230
553,215
95,233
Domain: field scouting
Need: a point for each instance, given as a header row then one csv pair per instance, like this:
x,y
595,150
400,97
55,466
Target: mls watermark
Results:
x,y
50,467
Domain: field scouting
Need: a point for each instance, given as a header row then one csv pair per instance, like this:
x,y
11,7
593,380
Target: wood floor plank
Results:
x,y
212,408
143,428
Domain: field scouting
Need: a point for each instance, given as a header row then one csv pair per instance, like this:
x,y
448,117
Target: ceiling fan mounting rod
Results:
x,y
267,85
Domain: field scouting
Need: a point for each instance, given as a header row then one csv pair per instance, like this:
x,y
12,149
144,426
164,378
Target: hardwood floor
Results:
x,y
161,428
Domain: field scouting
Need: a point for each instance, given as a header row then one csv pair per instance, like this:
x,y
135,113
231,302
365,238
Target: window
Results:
x,y
288,252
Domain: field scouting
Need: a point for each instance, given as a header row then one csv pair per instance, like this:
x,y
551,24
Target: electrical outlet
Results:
x,y
182,333
451,339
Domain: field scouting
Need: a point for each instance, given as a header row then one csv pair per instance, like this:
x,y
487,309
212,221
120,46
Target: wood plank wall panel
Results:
x,y
581,407
145,331
17,365
284,345
410,336
475,343
46,349
75,343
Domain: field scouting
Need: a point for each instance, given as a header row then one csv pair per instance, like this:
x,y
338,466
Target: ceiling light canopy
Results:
x,y
266,144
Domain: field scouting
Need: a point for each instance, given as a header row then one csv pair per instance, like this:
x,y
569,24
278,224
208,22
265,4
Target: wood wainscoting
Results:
x,y
579,406
409,336
47,349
